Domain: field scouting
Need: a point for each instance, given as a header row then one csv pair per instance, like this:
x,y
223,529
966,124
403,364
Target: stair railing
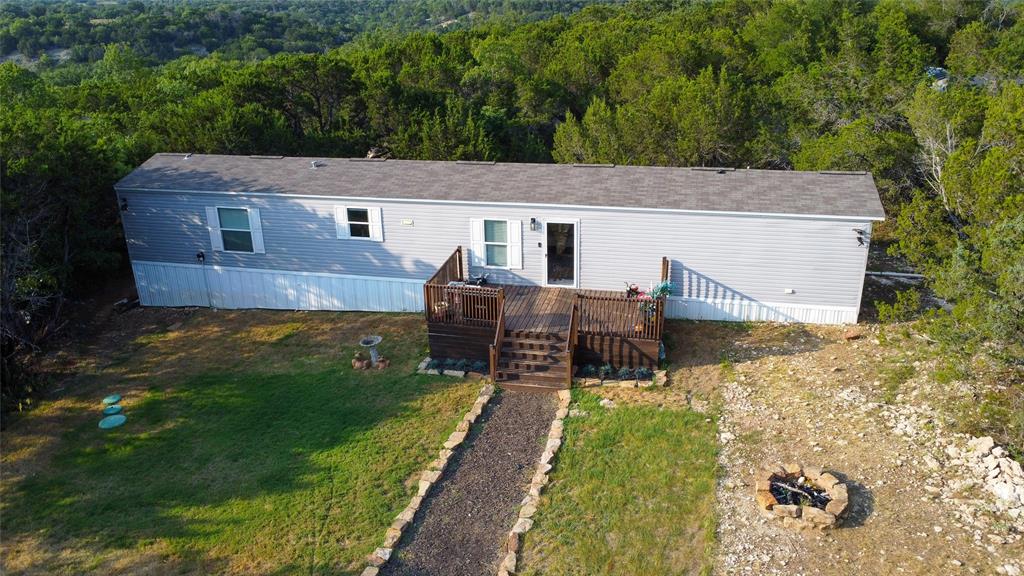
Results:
x,y
570,345
499,336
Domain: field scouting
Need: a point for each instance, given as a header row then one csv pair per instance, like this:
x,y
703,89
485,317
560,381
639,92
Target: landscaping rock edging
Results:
x,y
422,369
528,507
660,378
428,478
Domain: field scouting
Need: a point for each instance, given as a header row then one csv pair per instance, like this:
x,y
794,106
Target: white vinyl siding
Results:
x,y
723,266
358,223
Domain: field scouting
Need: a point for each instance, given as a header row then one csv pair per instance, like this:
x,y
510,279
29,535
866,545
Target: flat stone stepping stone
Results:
x,y
112,409
112,399
112,421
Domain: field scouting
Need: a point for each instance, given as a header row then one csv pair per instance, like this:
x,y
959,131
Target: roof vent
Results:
x,y
187,156
259,157
476,162
575,165
314,164
367,159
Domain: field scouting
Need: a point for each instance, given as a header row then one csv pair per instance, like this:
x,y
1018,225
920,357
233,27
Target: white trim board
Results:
x,y
740,310
516,204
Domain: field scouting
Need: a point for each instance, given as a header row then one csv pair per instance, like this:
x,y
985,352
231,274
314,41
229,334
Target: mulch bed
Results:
x,y
464,520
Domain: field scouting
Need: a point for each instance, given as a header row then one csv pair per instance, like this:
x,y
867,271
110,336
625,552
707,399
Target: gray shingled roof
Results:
x,y
838,194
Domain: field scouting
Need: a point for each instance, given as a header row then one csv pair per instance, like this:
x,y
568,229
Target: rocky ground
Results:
x,y
924,500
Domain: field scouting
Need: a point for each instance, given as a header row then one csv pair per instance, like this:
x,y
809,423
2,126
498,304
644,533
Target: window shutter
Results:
x,y
341,221
515,244
376,226
213,225
256,226
477,253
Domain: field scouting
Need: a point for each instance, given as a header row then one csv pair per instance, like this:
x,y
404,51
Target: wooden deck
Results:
x,y
543,310
535,336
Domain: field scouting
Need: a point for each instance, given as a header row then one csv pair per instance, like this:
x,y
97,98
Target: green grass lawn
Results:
x,y
632,492
251,447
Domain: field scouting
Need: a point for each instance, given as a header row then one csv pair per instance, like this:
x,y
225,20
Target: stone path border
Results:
x,y
528,507
428,478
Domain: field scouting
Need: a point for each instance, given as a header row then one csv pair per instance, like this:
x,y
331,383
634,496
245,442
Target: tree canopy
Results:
x,y
814,85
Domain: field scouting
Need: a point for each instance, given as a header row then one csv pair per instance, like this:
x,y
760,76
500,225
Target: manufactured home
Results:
x,y
557,245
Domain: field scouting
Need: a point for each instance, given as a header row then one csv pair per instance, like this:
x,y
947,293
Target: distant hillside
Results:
x,y
164,30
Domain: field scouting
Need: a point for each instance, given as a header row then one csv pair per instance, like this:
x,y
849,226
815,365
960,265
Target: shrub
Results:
x,y
906,307
588,371
449,363
434,364
625,373
479,366
462,365
606,372
644,373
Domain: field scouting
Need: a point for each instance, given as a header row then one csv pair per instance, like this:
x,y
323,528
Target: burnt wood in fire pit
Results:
x,y
800,497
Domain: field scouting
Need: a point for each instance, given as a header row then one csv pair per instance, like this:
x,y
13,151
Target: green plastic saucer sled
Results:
x,y
112,399
112,409
112,421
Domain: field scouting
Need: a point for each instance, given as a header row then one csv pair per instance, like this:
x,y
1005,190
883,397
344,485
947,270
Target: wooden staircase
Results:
x,y
533,360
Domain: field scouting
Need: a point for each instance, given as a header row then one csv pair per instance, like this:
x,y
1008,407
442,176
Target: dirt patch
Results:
x,y
863,409
460,528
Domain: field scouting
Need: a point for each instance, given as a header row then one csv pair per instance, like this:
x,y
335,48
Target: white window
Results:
x,y
359,223
235,229
497,243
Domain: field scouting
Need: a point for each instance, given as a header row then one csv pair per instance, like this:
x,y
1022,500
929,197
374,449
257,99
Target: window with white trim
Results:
x,y
358,220
359,223
496,243
235,231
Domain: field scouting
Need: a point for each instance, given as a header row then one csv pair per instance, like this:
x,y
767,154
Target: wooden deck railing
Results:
x,y
570,345
450,270
447,303
466,305
621,316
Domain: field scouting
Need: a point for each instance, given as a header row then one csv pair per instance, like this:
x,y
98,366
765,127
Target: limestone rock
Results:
x,y
817,516
522,525
509,562
982,445
765,500
826,481
791,510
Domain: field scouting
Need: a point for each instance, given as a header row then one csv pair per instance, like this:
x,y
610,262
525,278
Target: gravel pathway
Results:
x,y
462,523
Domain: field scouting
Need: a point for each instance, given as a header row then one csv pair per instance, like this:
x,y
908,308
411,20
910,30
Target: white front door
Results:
x,y
562,253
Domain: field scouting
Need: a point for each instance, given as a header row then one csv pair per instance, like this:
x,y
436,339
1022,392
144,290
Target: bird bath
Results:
x,y
370,342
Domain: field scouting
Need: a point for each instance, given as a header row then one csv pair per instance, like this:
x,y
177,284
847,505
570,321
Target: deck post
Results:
x,y
462,274
664,269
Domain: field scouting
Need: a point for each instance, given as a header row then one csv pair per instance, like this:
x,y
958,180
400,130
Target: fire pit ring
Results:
x,y
801,497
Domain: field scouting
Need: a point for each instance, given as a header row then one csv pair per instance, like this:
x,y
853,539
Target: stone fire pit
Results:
x,y
801,497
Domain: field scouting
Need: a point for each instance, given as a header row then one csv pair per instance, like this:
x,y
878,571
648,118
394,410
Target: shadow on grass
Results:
x,y
208,465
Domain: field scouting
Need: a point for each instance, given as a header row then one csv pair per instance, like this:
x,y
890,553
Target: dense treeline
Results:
x,y
160,31
823,84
